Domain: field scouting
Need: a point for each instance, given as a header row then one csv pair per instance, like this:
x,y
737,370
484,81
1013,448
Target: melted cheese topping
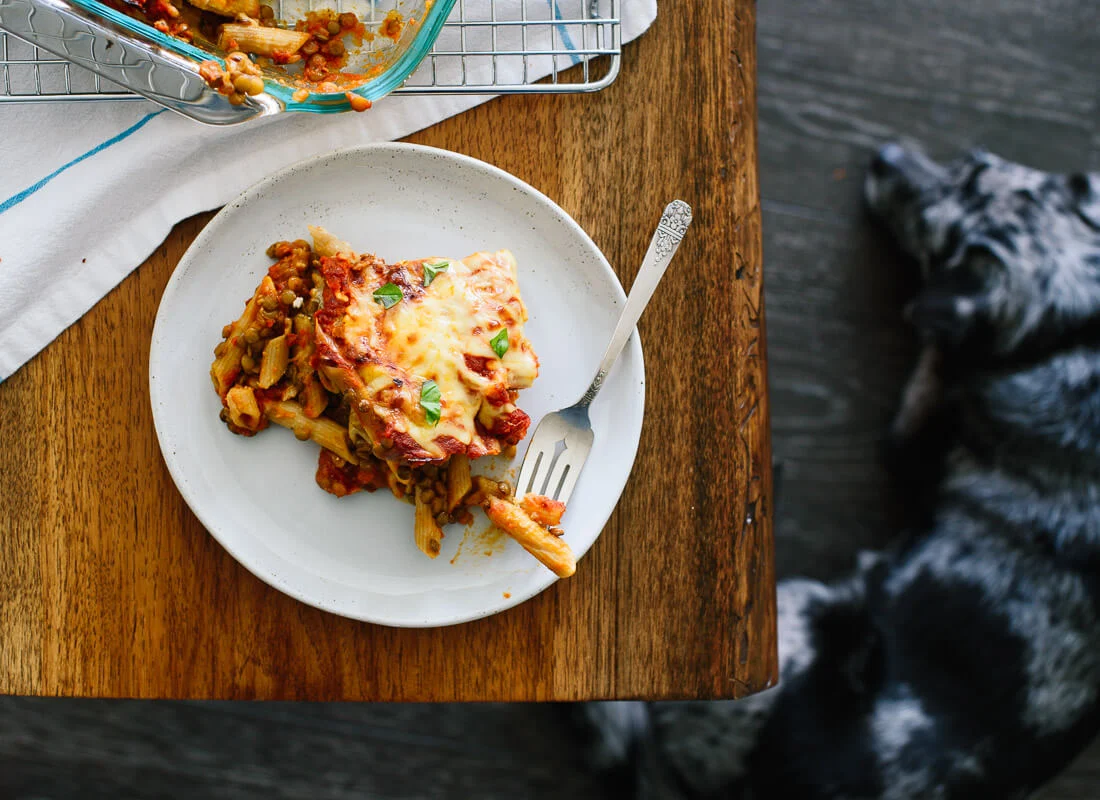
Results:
x,y
442,333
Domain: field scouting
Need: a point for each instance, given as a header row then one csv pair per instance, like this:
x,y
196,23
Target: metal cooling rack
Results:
x,y
479,51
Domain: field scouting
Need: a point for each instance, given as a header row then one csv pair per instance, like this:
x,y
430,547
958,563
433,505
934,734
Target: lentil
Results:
x,y
248,84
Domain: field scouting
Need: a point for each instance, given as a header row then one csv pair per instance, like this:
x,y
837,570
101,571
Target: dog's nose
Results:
x,y
888,159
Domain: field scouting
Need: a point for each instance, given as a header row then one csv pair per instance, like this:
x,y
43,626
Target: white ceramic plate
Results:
x,y
355,555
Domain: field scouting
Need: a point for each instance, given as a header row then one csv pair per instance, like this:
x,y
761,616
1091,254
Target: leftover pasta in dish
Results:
x,y
403,373
310,53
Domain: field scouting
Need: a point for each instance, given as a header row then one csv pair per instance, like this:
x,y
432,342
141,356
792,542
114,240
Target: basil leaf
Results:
x,y
431,270
499,343
388,295
431,401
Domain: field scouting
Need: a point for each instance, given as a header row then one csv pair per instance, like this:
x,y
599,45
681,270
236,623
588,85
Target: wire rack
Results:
x,y
485,47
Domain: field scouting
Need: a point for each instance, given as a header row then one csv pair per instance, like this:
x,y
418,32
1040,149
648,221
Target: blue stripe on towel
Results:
x,y
16,199
566,39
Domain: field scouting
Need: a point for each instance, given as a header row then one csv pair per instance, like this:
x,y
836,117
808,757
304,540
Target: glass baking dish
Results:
x,y
389,60
165,69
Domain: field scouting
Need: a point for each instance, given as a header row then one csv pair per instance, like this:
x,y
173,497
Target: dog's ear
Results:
x,y
1086,196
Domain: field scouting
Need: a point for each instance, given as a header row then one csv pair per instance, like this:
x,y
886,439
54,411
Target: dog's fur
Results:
x,y
966,662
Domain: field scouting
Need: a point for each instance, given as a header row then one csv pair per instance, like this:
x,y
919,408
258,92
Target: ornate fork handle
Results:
x,y
666,239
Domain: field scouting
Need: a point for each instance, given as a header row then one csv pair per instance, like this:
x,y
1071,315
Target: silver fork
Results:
x,y
563,439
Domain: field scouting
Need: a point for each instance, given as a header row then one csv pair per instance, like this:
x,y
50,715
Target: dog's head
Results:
x,y
1010,255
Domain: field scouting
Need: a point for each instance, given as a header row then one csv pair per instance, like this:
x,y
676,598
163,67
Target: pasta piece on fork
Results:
x,y
549,549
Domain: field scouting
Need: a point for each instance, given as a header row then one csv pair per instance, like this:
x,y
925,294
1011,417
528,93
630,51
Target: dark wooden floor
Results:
x,y
836,79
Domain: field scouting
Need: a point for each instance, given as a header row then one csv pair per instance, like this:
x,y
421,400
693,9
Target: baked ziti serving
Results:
x,y
403,373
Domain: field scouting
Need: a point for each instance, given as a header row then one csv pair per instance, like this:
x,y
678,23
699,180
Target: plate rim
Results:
x,y
253,192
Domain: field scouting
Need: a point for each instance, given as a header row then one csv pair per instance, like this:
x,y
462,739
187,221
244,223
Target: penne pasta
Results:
x,y
489,487
314,398
459,483
399,489
550,550
484,488
229,8
226,367
274,362
325,244
330,435
401,472
312,393
542,509
428,534
261,41
227,363
244,411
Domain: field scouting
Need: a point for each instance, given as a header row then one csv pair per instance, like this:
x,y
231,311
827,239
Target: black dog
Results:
x,y
965,663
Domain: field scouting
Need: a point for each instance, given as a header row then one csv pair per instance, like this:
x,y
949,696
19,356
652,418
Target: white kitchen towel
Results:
x,y
89,190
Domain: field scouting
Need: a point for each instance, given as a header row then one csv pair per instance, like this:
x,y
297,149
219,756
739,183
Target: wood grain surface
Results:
x,y
838,352
110,587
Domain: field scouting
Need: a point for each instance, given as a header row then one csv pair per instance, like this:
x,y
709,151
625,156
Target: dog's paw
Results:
x,y
906,442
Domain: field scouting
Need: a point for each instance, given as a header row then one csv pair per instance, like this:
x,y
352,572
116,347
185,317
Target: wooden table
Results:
x,y
110,587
